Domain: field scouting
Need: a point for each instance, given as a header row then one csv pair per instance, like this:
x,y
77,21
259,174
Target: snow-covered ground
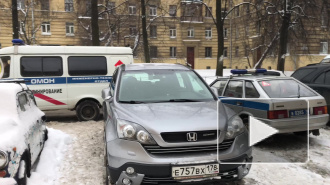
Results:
x,y
76,158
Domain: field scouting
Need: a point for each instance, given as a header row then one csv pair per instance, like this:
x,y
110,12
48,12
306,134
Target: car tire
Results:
x,y
22,173
88,110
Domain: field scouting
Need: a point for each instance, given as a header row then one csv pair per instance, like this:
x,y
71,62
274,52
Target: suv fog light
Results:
x,y
126,181
130,170
246,167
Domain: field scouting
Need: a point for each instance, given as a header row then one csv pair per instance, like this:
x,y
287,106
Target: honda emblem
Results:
x,y
191,136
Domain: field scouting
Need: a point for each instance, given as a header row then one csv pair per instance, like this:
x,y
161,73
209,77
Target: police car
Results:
x,y
281,102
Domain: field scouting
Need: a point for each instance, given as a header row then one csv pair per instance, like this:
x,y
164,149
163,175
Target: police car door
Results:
x,y
46,80
233,94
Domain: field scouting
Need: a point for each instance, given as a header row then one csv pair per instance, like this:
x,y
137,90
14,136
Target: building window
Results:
x,y
153,31
45,5
208,11
208,32
237,11
88,8
191,32
247,30
223,12
132,9
236,51
172,10
172,32
69,5
45,28
237,32
69,29
132,30
20,4
258,27
247,9
225,52
324,17
323,47
225,33
153,11
173,52
247,49
208,52
21,27
111,7
153,51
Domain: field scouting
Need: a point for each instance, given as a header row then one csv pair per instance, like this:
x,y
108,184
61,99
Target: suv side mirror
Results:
x,y
215,91
106,93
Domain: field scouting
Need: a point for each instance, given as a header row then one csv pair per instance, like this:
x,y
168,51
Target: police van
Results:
x,y
65,77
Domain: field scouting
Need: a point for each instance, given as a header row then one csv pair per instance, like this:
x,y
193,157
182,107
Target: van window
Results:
x,y
5,66
41,66
87,66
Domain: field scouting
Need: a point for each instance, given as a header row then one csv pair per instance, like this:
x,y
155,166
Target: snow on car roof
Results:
x,y
143,66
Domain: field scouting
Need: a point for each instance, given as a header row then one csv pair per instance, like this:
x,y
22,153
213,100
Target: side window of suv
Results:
x,y
327,77
320,79
234,89
251,91
220,85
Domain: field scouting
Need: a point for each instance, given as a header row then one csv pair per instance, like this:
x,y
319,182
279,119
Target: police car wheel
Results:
x,y
87,110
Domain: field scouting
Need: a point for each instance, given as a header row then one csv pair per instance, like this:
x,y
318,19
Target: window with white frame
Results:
x,y
172,10
173,52
324,18
172,32
69,27
45,28
208,32
21,27
225,33
153,31
208,11
225,52
208,52
45,5
153,11
111,7
20,4
191,32
68,5
132,9
324,47
132,30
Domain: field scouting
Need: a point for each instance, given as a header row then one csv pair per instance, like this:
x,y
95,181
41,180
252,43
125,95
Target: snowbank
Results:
x,y
47,170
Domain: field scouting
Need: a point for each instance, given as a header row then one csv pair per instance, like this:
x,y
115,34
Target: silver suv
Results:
x,y
163,124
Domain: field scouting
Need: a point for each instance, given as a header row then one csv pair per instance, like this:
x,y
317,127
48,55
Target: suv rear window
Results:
x,y
302,73
87,66
285,89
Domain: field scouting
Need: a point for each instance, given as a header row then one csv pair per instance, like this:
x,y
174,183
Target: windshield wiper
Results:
x,y
183,100
132,102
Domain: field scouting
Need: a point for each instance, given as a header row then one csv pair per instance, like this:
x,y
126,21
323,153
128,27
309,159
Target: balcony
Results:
x,y
192,19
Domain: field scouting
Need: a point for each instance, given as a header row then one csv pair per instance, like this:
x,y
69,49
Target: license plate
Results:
x,y
297,112
198,171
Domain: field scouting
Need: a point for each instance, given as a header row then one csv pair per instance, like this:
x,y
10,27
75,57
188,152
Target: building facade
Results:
x,y
179,31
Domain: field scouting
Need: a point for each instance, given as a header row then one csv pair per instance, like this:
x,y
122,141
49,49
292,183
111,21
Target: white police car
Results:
x,y
22,131
281,102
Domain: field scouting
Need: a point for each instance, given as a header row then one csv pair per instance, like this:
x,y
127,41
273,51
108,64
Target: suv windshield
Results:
x,y
285,89
153,86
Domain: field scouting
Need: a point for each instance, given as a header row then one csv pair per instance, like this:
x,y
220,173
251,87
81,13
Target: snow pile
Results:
x,y
7,181
51,157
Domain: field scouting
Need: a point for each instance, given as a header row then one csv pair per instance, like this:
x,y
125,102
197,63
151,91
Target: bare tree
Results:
x,y
95,23
144,33
14,19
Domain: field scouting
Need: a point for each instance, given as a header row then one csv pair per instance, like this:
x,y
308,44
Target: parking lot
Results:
x,y
82,159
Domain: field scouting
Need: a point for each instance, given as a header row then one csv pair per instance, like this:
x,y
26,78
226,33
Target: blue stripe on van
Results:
x,y
69,80
245,103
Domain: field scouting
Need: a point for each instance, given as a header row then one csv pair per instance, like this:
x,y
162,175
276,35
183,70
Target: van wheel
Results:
x,y
87,110
22,173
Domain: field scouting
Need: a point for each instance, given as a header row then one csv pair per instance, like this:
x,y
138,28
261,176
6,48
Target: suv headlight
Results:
x,y
132,131
235,127
3,159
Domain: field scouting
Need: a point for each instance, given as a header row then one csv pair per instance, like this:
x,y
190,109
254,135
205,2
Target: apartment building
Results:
x,y
179,31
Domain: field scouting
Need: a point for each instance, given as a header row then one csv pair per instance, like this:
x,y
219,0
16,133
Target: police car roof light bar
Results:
x,y
249,71
17,42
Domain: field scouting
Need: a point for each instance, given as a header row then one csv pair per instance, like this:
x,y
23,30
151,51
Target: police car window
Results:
x,y
234,89
251,91
320,79
41,66
285,88
87,66
5,66
220,85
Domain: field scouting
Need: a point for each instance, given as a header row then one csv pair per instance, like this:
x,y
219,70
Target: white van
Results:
x,y
65,77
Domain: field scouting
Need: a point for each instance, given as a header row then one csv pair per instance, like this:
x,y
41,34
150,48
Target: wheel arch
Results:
x,y
88,99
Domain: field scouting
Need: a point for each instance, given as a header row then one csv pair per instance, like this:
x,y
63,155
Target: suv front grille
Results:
x,y
158,150
178,137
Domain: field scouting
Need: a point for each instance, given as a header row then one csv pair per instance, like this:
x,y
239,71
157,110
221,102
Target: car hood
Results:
x,y
172,117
